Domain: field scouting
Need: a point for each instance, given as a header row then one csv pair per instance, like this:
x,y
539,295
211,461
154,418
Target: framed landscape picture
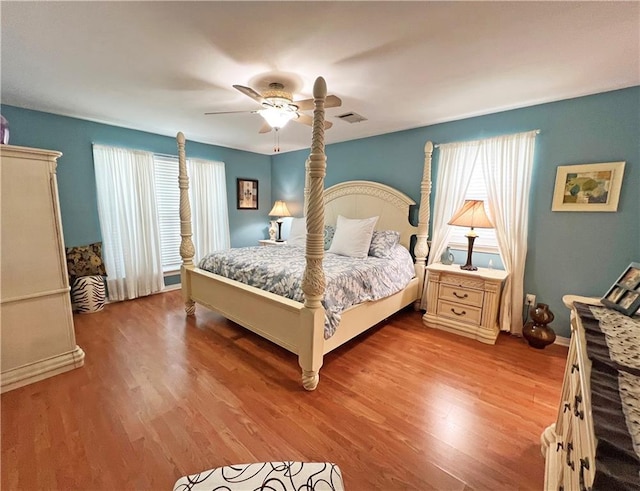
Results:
x,y
624,294
247,194
588,187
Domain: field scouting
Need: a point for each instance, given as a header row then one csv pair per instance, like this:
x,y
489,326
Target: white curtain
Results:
x,y
508,163
455,167
209,210
128,221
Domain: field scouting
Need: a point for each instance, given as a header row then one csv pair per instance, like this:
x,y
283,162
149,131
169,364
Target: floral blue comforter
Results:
x,y
279,269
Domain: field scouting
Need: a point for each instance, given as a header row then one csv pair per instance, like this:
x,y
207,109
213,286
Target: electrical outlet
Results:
x,y
530,299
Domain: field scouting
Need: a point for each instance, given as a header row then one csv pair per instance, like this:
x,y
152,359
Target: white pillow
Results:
x,y
353,236
298,232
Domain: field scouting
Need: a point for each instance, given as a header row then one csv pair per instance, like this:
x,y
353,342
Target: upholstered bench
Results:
x,y
283,476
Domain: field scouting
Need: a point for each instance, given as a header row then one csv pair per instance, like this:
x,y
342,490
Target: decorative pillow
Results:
x,y
353,236
382,242
85,261
329,232
298,232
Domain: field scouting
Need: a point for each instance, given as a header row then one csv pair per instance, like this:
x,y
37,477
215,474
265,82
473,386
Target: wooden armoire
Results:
x,y
37,336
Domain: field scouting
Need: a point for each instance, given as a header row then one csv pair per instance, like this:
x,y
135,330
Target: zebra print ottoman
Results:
x,y
88,294
280,476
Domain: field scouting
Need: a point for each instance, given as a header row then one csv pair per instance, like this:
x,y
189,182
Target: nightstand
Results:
x,y
464,302
268,242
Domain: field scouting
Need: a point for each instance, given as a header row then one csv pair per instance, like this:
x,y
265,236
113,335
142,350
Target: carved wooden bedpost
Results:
x,y
187,250
306,187
313,280
421,249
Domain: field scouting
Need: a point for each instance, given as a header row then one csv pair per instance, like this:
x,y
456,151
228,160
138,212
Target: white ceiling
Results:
x,y
158,66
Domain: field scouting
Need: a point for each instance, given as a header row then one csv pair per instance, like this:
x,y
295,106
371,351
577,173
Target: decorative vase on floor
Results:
x,y
537,333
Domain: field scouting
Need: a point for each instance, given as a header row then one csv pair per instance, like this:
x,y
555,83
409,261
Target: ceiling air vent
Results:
x,y
351,117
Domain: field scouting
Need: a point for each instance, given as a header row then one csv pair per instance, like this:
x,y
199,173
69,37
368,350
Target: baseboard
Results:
x,y
28,374
562,341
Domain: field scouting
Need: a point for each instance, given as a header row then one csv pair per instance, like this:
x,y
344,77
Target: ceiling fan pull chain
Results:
x,y
276,146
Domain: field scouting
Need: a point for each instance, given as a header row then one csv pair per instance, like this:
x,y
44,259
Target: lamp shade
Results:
x,y
279,210
471,214
277,117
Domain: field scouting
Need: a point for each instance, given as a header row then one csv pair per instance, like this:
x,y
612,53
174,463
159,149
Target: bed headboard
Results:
x,y
364,199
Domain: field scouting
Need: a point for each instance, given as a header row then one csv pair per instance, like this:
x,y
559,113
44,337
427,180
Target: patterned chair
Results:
x,y
86,278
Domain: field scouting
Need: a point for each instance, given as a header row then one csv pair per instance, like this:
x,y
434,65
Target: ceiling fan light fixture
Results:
x,y
278,117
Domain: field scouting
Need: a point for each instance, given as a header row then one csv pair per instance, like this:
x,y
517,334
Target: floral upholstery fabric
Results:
x,y
85,261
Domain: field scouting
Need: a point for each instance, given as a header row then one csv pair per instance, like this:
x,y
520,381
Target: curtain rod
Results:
x,y
136,149
437,145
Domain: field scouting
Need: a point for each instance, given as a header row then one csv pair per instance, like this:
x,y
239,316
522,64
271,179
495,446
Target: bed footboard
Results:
x,y
283,321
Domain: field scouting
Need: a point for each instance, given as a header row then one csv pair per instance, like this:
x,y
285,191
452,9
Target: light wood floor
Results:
x,y
162,395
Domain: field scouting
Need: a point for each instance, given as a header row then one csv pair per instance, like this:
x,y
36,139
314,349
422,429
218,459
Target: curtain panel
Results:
x,y
128,221
209,209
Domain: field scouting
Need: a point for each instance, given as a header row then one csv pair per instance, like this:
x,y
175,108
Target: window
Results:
x,y
486,240
168,208
209,215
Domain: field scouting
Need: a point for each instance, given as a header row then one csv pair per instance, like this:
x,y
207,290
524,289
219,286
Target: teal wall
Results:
x,y
76,178
580,253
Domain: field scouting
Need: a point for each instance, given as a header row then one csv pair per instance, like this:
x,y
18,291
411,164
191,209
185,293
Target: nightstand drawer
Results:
x,y
462,281
462,313
459,295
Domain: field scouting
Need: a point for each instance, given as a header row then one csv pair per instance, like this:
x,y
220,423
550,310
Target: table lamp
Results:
x,y
471,214
279,210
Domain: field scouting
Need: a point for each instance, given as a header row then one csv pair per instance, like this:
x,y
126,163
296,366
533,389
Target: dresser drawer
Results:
x,y
462,281
459,295
462,313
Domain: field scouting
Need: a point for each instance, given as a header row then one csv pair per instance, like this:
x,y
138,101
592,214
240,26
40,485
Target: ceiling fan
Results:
x,y
278,107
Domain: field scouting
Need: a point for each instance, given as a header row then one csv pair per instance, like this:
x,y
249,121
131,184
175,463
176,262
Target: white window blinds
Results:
x,y
168,206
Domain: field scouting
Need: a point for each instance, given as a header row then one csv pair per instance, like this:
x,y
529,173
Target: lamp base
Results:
x,y
279,238
471,236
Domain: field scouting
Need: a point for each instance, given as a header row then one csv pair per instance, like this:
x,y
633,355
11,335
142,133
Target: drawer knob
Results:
x,y
457,295
464,312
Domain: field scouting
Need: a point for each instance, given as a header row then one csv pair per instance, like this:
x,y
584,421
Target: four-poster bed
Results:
x,y
299,327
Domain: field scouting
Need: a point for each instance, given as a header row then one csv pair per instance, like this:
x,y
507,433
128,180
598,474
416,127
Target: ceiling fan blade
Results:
x,y
308,120
306,104
230,112
266,128
248,91
333,101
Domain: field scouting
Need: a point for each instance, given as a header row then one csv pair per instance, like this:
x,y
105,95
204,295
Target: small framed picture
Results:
x,y
247,194
631,278
624,294
628,299
615,294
